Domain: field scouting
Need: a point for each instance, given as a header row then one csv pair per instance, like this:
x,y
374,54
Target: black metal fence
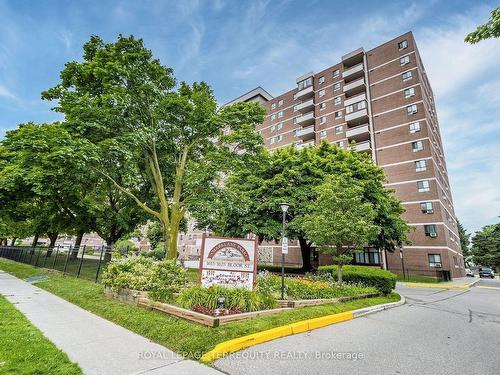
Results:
x,y
85,261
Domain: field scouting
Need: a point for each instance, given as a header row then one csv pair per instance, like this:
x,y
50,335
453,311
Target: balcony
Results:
x,y
355,87
302,145
357,118
304,94
307,119
306,106
357,71
359,133
306,133
364,146
353,58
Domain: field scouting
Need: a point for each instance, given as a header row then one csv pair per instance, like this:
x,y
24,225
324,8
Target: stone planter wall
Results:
x,y
128,296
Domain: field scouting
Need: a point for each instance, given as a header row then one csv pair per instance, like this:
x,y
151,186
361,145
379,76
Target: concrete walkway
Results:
x,y
96,344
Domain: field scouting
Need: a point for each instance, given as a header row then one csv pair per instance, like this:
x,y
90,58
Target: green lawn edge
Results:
x,y
25,350
187,338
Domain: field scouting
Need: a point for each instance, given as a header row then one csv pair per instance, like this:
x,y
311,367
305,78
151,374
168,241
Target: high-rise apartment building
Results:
x,y
382,100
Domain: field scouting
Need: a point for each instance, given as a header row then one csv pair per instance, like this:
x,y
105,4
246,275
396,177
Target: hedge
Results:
x,y
384,281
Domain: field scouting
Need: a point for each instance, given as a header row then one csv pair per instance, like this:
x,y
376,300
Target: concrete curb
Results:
x,y
439,286
243,342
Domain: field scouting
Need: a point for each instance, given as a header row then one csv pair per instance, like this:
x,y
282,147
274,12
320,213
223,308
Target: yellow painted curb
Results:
x,y
415,285
239,343
487,287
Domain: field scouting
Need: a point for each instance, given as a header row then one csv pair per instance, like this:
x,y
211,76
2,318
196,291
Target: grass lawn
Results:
x,y
185,337
419,279
25,350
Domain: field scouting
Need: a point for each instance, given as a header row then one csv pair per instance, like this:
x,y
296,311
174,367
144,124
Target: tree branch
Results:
x,y
131,195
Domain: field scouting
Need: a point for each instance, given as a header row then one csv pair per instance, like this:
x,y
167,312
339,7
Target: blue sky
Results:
x,y
237,45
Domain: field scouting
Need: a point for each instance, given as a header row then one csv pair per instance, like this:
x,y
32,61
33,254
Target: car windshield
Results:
x,y
486,270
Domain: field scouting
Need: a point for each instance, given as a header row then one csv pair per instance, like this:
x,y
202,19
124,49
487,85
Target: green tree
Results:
x,y
490,29
154,234
341,221
486,246
174,142
250,204
464,239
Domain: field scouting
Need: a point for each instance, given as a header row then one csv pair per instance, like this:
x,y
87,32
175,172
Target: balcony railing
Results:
x,y
306,106
306,93
355,87
358,133
302,145
306,133
306,119
363,146
357,71
357,118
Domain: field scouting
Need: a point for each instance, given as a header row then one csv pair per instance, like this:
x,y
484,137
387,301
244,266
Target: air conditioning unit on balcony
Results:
x,y
433,234
437,265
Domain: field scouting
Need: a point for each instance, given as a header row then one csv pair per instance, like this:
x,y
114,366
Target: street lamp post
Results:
x,y
284,242
402,261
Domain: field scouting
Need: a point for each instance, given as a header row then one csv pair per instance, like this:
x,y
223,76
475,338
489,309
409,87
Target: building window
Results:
x,y
338,129
322,119
430,230
369,256
295,132
321,93
321,80
279,138
280,114
273,106
273,128
435,260
338,114
407,76
409,92
417,146
427,208
305,83
322,106
295,108
280,102
414,127
423,186
404,60
403,44
337,100
336,87
355,107
322,134
336,73
271,141
411,109
295,120
279,126
273,117
420,166
340,143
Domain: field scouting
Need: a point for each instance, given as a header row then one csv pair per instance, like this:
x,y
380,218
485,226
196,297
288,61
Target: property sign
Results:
x,y
228,262
284,245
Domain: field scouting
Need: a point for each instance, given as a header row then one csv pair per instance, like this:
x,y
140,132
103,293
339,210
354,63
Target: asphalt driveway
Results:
x,y
438,331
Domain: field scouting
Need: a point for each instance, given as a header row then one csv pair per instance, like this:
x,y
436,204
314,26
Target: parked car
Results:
x,y
486,272
469,273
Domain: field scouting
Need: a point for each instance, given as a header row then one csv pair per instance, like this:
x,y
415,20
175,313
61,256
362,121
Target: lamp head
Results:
x,y
284,207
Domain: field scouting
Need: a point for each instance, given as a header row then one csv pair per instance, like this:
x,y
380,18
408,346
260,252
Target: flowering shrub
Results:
x,y
310,287
160,279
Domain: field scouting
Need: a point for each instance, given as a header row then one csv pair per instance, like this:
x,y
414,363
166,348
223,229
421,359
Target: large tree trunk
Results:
x,y
33,244
174,232
53,239
13,242
78,242
305,250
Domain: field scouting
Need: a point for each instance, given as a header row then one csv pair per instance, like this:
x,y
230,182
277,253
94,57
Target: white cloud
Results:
x,y
7,94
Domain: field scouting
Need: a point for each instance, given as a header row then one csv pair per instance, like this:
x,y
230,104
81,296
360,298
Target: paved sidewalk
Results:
x,y
96,344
